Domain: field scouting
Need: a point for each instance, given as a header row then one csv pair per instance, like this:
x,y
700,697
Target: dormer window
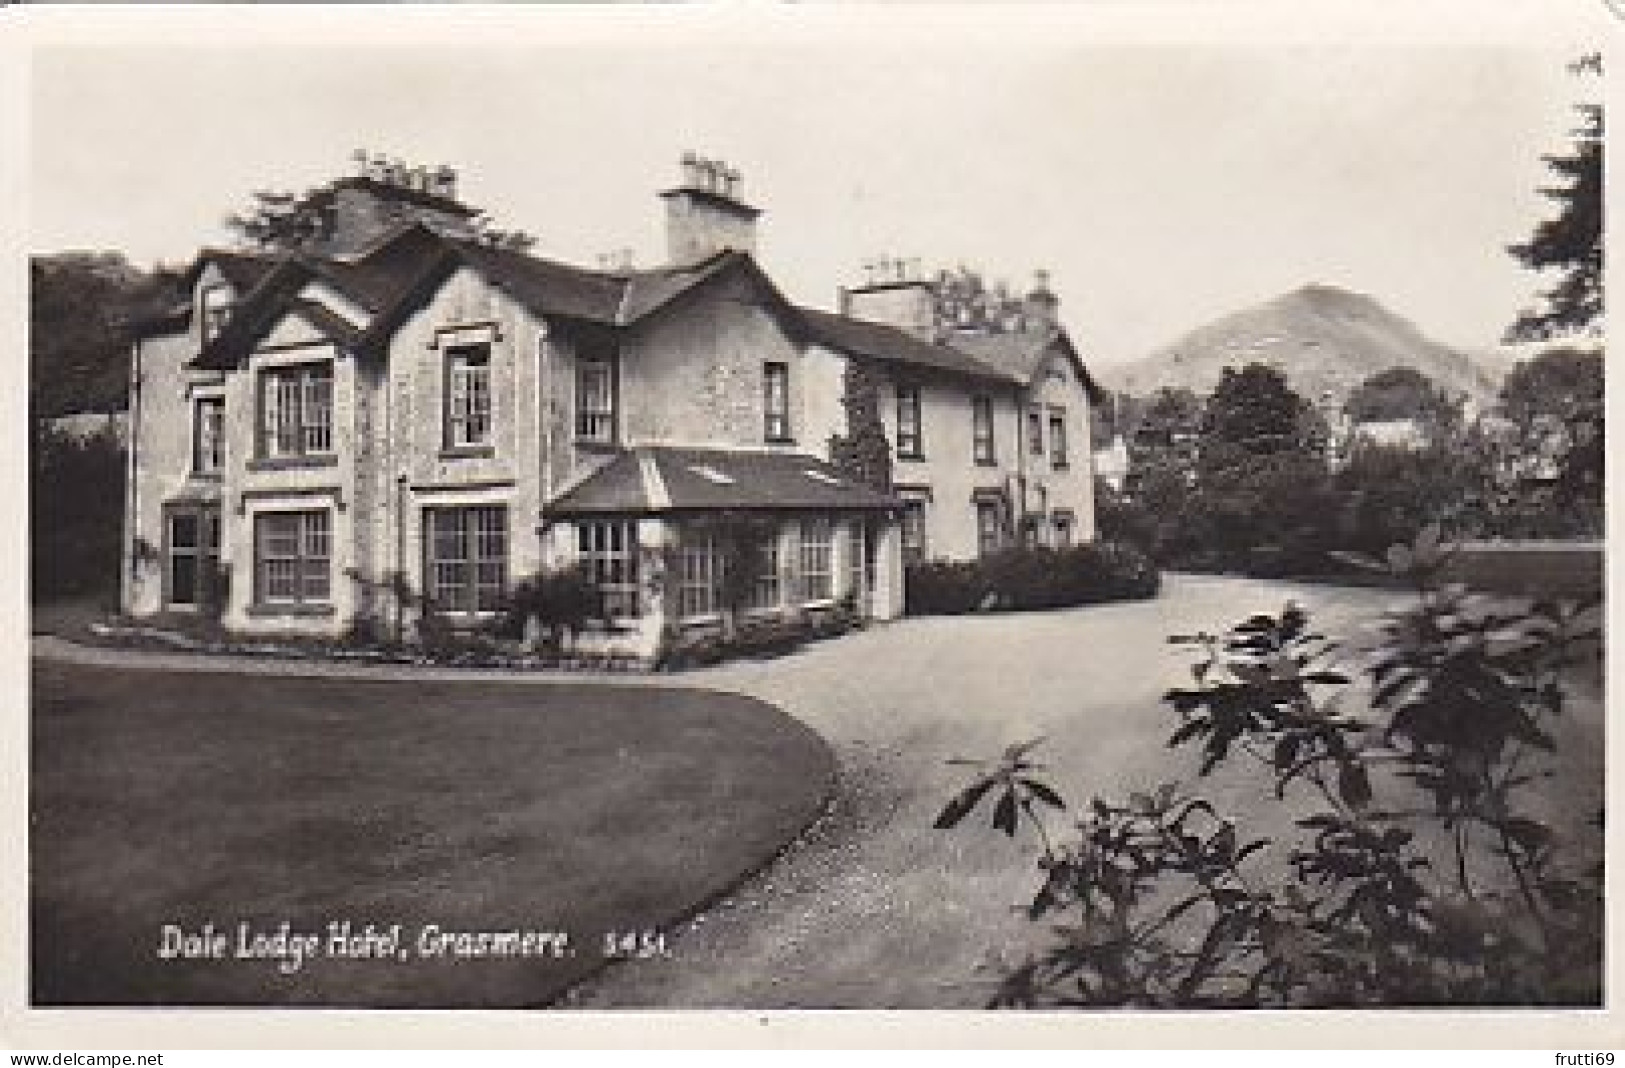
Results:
x,y
776,402
595,401
468,396
214,308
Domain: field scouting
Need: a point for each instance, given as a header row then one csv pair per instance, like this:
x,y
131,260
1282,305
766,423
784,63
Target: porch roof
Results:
x,y
652,479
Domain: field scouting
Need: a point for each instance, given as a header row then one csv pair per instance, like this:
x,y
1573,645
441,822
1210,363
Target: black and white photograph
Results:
x,y
997,508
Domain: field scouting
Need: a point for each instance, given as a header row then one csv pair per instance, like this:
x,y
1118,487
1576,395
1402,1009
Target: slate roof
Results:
x,y
1022,353
859,337
655,479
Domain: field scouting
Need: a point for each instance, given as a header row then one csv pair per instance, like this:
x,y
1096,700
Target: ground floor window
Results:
x,y
610,552
765,591
699,576
857,582
292,557
988,535
913,532
1065,526
817,560
466,563
192,555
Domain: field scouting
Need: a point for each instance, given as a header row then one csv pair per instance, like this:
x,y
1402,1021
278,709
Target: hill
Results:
x,y
1325,340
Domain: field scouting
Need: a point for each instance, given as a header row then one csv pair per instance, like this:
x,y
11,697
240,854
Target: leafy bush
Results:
x,y
560,602
1168,903
1031,578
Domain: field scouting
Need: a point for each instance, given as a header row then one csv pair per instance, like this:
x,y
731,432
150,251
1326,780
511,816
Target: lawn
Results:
x,y
186,798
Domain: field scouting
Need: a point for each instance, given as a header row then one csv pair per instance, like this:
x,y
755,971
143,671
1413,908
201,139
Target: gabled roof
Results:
x,y
652,479
1022,353
860,337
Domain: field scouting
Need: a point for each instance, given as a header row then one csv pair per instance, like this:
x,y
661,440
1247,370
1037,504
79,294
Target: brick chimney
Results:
x,y
1041,308
704,212
894,293
357,210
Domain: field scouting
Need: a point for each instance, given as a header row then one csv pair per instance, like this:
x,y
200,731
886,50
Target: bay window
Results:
x,y
610,552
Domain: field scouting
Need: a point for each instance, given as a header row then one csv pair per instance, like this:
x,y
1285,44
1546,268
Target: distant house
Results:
x,y
400,398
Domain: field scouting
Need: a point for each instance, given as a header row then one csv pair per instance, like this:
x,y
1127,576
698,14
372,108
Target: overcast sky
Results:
x,y
1164,177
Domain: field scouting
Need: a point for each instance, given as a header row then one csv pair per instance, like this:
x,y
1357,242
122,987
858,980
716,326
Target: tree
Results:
x,y
81,311
1261,476
1570,242
1404,393
277,220
1555,405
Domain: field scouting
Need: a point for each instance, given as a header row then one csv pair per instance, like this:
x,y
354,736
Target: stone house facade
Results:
x,y
400,414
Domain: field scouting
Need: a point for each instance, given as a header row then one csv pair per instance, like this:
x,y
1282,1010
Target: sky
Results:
x,y
1163,173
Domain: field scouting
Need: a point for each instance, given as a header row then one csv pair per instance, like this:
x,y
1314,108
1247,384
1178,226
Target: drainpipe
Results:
x,y
544,451
400,557
127,572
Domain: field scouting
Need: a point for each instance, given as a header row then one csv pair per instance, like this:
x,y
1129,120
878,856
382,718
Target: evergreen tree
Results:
x,y
1570,242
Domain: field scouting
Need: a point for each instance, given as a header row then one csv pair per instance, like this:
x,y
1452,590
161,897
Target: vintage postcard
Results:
x,y
1080,519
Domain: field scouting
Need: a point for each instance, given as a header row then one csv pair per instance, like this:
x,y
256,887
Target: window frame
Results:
x,y
917,553
216,453
984,451
767,589
1063,527
815,560
213,315
989,540
776,407
307,564
910,431
474,596
1035,431
700,567
599,425
467,385
625,590
1058,458
205,553
302,399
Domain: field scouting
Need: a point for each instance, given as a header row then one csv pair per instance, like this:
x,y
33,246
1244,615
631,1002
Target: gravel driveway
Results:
x,y
876,910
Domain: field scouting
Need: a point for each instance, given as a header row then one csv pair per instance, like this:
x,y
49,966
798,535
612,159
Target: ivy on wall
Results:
x,y
862,454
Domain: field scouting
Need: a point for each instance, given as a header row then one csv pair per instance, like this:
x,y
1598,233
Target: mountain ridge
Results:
x,y
1325,339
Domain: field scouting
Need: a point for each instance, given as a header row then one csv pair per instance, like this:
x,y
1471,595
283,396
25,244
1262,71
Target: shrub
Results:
x,y
561,603
1419,875
1032,578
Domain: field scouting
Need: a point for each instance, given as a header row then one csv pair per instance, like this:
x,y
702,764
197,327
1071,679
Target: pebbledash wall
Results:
x,y
689,375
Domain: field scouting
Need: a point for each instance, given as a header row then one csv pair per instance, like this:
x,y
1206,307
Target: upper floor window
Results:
x,y
209,435
1035,432
776,401
468,395
982,429
214,308
296,410
595,401
909,443
467,551
1057,438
